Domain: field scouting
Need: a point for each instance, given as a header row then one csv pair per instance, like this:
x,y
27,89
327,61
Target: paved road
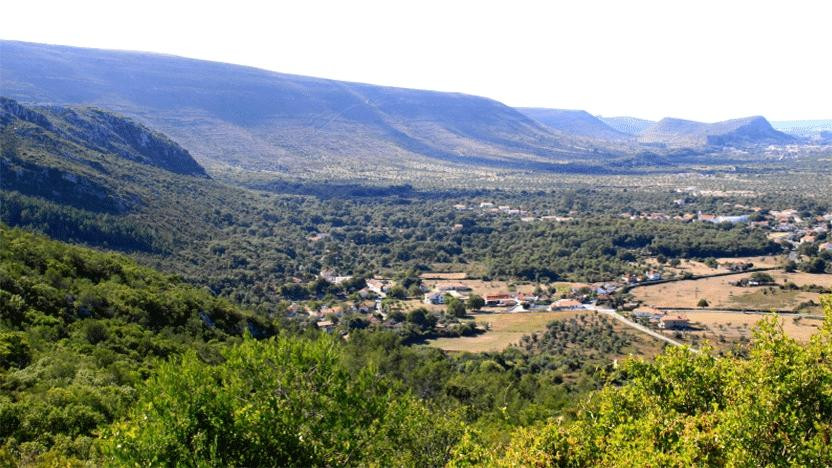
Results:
x,y
612,313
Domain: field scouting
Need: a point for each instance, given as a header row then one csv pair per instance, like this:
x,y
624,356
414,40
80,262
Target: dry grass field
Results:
x,y
506,329
509,328
719,292
766,261
723,329
690,266
698,268
459,275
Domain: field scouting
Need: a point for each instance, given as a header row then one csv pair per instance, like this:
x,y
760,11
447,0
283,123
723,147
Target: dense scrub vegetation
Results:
x,y
81,331
103,360
284,402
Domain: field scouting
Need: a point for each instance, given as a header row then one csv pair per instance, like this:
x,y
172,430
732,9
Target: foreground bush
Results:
x,y
281,402
687,409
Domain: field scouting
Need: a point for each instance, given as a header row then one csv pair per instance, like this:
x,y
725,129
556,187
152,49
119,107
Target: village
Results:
x,y
447,305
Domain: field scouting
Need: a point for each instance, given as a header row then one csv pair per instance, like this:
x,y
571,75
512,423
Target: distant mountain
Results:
x,y
747,131
229,115
574,122
812,129
629,125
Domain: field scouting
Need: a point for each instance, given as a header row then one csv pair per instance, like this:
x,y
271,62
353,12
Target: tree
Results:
x,y
414,290
397,316
422,318
762,277
475,302
702,303
397,292
455,308
814,265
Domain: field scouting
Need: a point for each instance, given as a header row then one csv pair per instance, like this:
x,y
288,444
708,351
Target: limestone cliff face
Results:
x,y
122,136
102,131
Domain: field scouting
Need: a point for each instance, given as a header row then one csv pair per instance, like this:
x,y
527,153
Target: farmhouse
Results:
x,y
377,286
654,276
674,323
503,299
526,298
605,289
731,219
332,277
565,304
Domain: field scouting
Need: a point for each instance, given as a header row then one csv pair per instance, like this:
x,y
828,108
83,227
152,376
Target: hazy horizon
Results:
x,y
699,61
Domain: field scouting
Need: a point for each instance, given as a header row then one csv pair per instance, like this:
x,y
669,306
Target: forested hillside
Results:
x,y
80,330
88,339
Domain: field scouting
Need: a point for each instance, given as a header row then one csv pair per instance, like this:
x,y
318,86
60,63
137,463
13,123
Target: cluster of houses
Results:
x,y
443,290
633,278
792,230
787,227
525,215
516,302
689,217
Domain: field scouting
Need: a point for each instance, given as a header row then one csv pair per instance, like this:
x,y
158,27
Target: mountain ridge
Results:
x,y
575,122
230,115
626,124
745,131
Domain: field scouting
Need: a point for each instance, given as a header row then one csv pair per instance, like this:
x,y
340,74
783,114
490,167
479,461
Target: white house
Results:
x,y
434,298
